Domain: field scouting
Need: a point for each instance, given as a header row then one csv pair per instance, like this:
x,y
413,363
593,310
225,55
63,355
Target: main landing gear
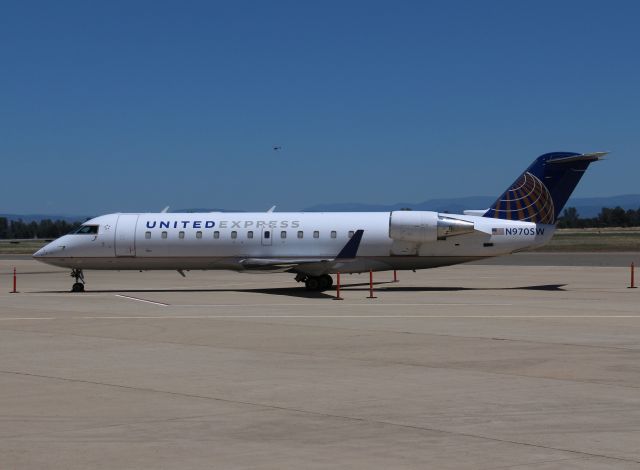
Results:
x,y
316,283
78,286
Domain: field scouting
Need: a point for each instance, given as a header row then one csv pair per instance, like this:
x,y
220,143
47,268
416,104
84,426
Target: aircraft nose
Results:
x,y
42,252
50,249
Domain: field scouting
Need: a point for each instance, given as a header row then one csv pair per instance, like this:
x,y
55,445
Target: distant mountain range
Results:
x,y
586,206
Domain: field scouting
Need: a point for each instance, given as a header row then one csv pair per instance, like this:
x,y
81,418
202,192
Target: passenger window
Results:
x,y
180,234
163,234
267,234
316,234
333,234
250,234
216,234
283,234
198,234
351,233
234,234
147,235
300,234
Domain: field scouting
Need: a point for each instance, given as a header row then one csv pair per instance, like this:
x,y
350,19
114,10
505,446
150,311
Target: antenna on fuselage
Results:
x,y
166,209
273,208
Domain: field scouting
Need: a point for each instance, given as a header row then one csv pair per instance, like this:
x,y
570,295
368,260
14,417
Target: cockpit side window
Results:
x,y
87,230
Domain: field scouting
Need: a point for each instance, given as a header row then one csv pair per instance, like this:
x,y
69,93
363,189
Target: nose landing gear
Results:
x,y
78,286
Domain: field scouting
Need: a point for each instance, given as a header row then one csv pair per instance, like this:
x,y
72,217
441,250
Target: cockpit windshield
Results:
x,y
86,230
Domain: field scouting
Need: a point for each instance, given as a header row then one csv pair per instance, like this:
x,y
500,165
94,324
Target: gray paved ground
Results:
x,y
468,367
615,259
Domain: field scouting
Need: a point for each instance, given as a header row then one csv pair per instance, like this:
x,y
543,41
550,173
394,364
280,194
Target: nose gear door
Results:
x,y
126,235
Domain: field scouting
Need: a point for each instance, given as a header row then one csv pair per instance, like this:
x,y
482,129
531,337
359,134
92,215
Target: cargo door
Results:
x,y
126,234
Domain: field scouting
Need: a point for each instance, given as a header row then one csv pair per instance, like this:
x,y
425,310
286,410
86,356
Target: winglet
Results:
x,y
351,248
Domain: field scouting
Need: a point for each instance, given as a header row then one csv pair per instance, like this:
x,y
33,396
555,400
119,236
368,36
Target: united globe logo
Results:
x,y
528,199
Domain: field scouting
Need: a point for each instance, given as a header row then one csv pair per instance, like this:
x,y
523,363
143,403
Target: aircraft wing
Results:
x,y
307,265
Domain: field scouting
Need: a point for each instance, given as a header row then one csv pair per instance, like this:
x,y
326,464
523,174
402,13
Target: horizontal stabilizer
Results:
x,y
585,157
478,212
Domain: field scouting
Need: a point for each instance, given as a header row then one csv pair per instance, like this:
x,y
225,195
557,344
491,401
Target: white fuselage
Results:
x,y
218,240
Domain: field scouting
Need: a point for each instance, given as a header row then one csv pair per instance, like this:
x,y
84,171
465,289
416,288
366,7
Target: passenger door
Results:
x,y
126,235
267,237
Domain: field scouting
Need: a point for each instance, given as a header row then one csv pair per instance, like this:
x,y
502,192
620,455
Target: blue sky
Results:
x,y
132,106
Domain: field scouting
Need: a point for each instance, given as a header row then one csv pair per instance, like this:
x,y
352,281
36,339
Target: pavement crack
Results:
x,y
531,464
356,359
355,419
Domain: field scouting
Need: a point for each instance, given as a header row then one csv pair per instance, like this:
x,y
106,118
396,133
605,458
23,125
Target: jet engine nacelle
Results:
x,y
425,226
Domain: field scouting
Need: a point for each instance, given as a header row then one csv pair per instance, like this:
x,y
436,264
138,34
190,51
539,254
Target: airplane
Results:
x,y
313,246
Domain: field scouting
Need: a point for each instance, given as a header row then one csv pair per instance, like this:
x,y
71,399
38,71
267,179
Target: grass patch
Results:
x,y
21,247
594,240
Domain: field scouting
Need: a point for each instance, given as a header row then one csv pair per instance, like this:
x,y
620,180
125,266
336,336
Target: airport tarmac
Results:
x,y
467,367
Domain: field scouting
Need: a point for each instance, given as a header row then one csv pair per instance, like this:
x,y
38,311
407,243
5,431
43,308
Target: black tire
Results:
x,y
312,283
77,287
326,281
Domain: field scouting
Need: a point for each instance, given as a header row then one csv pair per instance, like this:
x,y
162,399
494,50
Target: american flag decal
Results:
x,y
497,231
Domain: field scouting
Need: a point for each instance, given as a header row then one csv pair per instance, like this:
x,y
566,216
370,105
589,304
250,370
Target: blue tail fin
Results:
x,y
540,193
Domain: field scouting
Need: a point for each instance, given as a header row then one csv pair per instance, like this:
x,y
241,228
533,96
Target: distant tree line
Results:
x,y
45,228
616,217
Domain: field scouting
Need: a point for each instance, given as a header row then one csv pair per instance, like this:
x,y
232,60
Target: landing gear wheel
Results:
x,y
77,287
312,283
326,281
318,283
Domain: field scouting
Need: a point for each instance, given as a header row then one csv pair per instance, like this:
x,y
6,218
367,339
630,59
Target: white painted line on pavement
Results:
x,y
381,304
141,300
227,316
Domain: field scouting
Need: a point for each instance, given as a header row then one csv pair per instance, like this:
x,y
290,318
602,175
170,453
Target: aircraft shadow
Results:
x,y
545,287
301,292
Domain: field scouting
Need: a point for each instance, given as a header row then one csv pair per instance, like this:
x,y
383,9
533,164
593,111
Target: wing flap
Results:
x,y
308,265
257,263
